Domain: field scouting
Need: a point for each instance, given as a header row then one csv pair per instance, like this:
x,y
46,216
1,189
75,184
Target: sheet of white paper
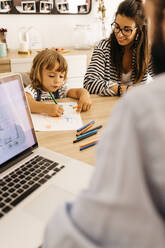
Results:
x,y
70,120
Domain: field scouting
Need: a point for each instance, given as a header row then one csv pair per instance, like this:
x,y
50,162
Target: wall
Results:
x,y
57,30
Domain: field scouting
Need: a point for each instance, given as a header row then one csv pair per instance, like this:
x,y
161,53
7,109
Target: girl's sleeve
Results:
x,y
29,89
94,80
63,91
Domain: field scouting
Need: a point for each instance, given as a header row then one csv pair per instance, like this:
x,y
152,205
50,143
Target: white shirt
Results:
x,y
44,94
124,206
126,78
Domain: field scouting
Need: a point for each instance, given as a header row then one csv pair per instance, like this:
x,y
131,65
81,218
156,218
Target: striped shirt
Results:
x,y
44,96
102,74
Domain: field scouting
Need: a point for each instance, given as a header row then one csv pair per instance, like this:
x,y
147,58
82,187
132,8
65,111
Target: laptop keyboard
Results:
x,y
20,183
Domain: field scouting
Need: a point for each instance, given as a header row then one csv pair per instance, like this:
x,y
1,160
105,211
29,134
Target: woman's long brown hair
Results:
x,y
133,9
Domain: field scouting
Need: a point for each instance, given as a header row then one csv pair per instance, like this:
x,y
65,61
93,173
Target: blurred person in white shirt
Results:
x,y
124,206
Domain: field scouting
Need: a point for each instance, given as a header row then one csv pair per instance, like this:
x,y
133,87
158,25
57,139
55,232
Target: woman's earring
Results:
x,y
137,36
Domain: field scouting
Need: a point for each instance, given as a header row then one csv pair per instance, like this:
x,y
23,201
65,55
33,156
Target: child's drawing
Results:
x,y
70,120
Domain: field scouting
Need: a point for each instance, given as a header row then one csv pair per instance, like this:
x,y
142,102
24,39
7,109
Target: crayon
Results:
x,y
75,107
84,130
78,106
100,126
85,147
77,140
86,134
93,141
81,128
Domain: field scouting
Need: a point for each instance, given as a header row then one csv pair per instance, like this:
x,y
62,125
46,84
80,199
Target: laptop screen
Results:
x,y
16,129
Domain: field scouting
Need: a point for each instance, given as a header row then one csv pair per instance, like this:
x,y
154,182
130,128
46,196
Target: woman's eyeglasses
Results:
x,y
126,31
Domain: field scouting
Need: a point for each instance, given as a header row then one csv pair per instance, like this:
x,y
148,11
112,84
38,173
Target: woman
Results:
x,y
123,59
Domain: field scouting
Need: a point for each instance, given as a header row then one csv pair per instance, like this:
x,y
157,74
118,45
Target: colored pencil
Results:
x,y
75,107
100,126
77,140
84,135
53,98
91,142
85,129
78,106
85,147
81,128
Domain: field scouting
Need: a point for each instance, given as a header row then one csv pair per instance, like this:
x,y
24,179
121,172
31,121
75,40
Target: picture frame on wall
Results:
x,y
65,7
46,6
5,6
82,8
28,6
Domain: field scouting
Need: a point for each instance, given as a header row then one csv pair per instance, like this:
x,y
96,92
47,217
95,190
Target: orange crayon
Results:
x,y
93,141
74,107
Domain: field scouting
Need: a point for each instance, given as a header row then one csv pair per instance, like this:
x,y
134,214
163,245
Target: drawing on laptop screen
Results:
x,y
15,127
11,134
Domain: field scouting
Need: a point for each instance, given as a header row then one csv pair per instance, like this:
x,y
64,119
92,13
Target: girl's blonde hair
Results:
x,y
47,59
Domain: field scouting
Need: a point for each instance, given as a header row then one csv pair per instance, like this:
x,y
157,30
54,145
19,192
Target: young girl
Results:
x,y
122,60
48,74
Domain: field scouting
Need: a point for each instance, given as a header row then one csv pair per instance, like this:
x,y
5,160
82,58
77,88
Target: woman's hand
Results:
x,y
130,87
115,89
123,89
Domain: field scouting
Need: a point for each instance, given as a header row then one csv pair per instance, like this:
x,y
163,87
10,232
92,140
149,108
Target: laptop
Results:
x,y
33,180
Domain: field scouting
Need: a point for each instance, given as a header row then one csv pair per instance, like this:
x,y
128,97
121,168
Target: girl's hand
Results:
x,y
84,102
43,107
54,110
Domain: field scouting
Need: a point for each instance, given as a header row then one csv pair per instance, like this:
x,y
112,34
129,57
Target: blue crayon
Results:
x,y
81,128
85,147
87,133
90,134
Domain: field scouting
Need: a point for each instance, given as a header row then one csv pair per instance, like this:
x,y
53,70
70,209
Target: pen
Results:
x,y
85,129
100,126
53,98
81,128
85,147
93,141
84,135
77,140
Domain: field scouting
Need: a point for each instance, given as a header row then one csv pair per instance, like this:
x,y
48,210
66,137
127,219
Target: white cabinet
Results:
x,y
77,65
21,64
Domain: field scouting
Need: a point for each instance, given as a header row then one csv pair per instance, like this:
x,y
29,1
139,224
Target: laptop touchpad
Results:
x,y
43,206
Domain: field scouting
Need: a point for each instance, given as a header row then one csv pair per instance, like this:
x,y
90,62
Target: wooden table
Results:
x,y
62,141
